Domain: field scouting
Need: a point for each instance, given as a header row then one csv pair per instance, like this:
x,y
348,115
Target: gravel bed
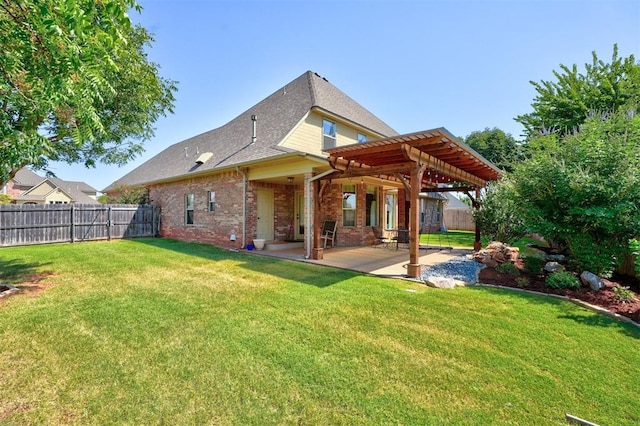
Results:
x,y
461,268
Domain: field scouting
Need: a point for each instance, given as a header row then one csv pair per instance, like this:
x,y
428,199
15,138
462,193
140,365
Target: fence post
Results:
x,y
109,223
72,230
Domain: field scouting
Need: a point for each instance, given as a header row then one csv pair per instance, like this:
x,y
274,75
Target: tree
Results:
x,y
583,189
499,217
496,146
75,84
561,106
124,194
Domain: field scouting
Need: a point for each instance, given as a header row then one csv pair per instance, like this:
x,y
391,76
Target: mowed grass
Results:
x,y
156,331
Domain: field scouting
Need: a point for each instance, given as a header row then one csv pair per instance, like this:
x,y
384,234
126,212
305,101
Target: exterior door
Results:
x,y
300,213
264,228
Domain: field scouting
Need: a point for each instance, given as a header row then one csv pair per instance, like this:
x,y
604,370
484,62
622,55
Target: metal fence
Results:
x,y
26,224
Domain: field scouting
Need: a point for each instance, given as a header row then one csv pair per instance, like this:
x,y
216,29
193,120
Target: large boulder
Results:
x,y
496,253
440,282
553,267
592,280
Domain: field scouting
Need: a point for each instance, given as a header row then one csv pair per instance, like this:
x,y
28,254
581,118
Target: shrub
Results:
x,y
508,268
499,217
623,294
5,199
534,264
562,279
522,281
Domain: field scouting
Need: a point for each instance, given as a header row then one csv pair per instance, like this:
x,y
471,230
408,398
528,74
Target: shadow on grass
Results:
x,y
16,272
567,310
305,273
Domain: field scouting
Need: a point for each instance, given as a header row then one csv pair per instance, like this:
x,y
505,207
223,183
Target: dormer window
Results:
x,y
328,134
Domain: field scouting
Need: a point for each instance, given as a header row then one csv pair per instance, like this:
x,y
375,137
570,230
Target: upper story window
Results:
x,y
189,202
328,134
362,138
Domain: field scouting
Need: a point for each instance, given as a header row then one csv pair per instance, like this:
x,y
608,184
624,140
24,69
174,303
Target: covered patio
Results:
x,y
428,161
386,262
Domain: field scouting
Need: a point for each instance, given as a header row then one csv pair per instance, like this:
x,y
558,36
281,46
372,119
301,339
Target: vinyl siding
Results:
x,y
307,136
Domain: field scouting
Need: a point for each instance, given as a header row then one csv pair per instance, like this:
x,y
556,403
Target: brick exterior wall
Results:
x,y
349,236
209,227
217,227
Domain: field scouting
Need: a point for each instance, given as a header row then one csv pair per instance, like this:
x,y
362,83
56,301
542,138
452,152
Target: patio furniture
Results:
x,y
380,238
328,232
402,237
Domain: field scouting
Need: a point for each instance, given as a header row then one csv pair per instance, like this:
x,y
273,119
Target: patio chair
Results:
x,y
402,237
380,238
328,232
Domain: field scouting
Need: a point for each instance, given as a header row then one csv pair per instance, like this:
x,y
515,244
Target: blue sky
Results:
x,y
463,65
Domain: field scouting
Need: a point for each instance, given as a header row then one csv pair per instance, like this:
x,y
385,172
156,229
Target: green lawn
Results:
x,y
156,331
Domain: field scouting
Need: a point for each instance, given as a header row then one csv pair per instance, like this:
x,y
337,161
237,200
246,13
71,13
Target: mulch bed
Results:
x,y
603,298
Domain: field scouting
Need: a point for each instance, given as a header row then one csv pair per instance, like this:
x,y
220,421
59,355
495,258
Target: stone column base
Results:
x,y
317,253
414,270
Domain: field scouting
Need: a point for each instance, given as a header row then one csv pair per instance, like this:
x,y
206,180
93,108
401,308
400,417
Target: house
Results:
x,y
28,188
282,167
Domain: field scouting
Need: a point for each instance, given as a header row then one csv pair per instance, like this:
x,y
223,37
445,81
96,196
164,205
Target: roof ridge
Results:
x,y
312,87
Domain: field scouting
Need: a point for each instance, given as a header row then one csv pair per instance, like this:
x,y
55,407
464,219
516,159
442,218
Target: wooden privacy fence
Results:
x,y
459,219
56,223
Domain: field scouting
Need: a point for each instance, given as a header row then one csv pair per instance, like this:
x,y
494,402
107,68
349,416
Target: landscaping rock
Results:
x,y
553,267
555,257
440,282
496,253
592,280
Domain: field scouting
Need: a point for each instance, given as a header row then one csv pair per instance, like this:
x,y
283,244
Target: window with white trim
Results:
x,y
189,202
212,201
372,206
329,131
348,205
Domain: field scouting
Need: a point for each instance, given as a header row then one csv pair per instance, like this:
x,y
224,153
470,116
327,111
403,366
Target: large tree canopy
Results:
x,y
561,106
75,84
496,146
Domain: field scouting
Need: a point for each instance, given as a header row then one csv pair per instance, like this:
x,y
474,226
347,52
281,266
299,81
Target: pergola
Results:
x,y
420,162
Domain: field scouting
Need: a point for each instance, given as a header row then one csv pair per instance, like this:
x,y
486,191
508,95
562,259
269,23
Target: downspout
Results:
x,y
307,203
244,206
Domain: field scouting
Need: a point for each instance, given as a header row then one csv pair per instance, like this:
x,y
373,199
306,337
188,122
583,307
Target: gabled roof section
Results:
x,y
76,190
25,177
232,144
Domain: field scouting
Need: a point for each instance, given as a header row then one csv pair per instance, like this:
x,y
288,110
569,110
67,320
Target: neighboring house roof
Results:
x,y
76,190
25,177
434,195
277,115
455,203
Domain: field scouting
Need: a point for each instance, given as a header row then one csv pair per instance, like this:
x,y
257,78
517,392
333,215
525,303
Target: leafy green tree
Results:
x,y
5,199
75,84
561,106
496,146
125,194
584,189
499,215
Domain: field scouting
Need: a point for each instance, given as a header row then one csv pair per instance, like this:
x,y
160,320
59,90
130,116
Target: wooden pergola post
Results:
x,y
413,268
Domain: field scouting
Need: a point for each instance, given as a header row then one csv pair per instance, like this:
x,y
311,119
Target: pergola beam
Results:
x,y
440,166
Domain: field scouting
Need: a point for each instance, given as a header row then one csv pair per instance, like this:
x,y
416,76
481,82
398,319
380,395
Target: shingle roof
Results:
x,y
75,190
276,116
25,177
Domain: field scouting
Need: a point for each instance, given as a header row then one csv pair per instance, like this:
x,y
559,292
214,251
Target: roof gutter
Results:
x,y
307,203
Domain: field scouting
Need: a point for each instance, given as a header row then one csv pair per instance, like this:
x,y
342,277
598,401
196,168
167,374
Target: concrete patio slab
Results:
x,y
387,262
